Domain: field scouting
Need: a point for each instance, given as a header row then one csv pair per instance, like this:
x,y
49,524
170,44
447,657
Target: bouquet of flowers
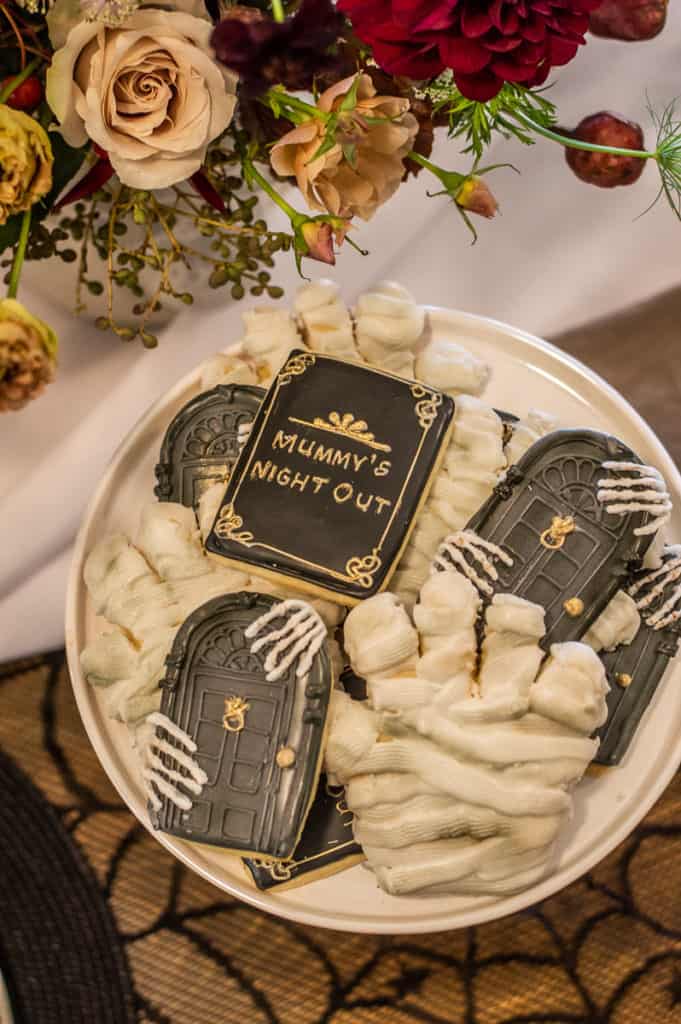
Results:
x,y
125,122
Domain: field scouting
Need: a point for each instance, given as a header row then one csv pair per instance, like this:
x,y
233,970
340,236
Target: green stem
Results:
x,y
15,82
19,254
285,99
591,147
271,191
450,179
278,10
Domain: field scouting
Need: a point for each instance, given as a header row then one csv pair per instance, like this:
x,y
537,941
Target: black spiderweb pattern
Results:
x,y
605,951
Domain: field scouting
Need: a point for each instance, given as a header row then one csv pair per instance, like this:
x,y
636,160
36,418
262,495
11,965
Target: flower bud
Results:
x,y
629,19
606,170
316,237
27,353
475,196
319,242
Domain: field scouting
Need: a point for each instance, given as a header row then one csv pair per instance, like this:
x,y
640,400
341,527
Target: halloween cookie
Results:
x,y
326,846
565,527
204,440
345,456
459,768
236,753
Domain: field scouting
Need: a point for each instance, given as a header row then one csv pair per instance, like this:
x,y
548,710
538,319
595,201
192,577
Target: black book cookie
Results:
x,y
568,524
635,670
326,845
339,459
204,440
236,752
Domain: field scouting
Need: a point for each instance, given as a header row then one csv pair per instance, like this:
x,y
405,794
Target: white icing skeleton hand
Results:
x,y
178,785
299,639
460,765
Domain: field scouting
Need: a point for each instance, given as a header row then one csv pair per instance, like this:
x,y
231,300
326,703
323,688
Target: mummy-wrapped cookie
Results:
x,y
473,464
145,591
235,755
326,323
270,336
460,781
388,324
564,528
203,442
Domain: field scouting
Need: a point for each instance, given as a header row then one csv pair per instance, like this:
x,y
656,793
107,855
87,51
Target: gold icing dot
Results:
x,y
624,679
286,757
574,606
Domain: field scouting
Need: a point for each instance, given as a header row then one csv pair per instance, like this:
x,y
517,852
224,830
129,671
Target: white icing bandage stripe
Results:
x,y
450,554
300,638
644,492
159,777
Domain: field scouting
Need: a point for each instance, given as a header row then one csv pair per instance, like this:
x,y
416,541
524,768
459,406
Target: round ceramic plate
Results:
x,y
526,373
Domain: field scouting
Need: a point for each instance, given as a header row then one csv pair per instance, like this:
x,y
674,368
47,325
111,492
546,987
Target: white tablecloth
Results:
x,y
561,253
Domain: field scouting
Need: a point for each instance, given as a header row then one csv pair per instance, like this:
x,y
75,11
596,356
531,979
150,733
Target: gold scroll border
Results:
x,y
297,365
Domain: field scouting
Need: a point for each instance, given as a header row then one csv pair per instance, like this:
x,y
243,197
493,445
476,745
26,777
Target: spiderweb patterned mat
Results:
x,y
170,949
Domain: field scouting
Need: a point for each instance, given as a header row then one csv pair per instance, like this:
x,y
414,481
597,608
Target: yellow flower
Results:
x,y
28,348
25,162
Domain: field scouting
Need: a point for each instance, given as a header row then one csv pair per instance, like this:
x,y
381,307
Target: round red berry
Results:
x,y
606,170
26,96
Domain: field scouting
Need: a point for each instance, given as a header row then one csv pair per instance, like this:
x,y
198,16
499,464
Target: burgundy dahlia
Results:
x,y
484,42
265,52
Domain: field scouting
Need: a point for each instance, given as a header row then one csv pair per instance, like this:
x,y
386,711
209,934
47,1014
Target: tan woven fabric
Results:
x,y
605,951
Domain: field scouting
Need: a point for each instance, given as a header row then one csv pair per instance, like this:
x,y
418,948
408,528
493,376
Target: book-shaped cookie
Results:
x,y
339,459
236,753
204,440
635,670
568,524
326,845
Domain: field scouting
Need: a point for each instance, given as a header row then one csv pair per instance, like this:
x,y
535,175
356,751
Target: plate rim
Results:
x,y
489,909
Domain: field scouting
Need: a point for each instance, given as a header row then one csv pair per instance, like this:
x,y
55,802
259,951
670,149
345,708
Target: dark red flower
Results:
x,y
484,42
265,52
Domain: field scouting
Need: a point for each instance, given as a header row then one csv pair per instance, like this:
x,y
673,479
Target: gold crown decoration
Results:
x,y
346,425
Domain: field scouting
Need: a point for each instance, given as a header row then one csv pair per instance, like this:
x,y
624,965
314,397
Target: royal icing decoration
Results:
x,y
298,640
639,489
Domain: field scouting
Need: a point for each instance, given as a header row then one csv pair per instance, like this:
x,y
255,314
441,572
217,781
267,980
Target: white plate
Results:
x,y
527,372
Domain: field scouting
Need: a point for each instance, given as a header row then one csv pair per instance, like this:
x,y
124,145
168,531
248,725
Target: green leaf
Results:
x,y
350,99
476,122
67,163
350,154
327,143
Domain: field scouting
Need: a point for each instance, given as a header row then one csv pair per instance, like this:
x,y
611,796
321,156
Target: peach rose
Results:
x,y
365,165
150,93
